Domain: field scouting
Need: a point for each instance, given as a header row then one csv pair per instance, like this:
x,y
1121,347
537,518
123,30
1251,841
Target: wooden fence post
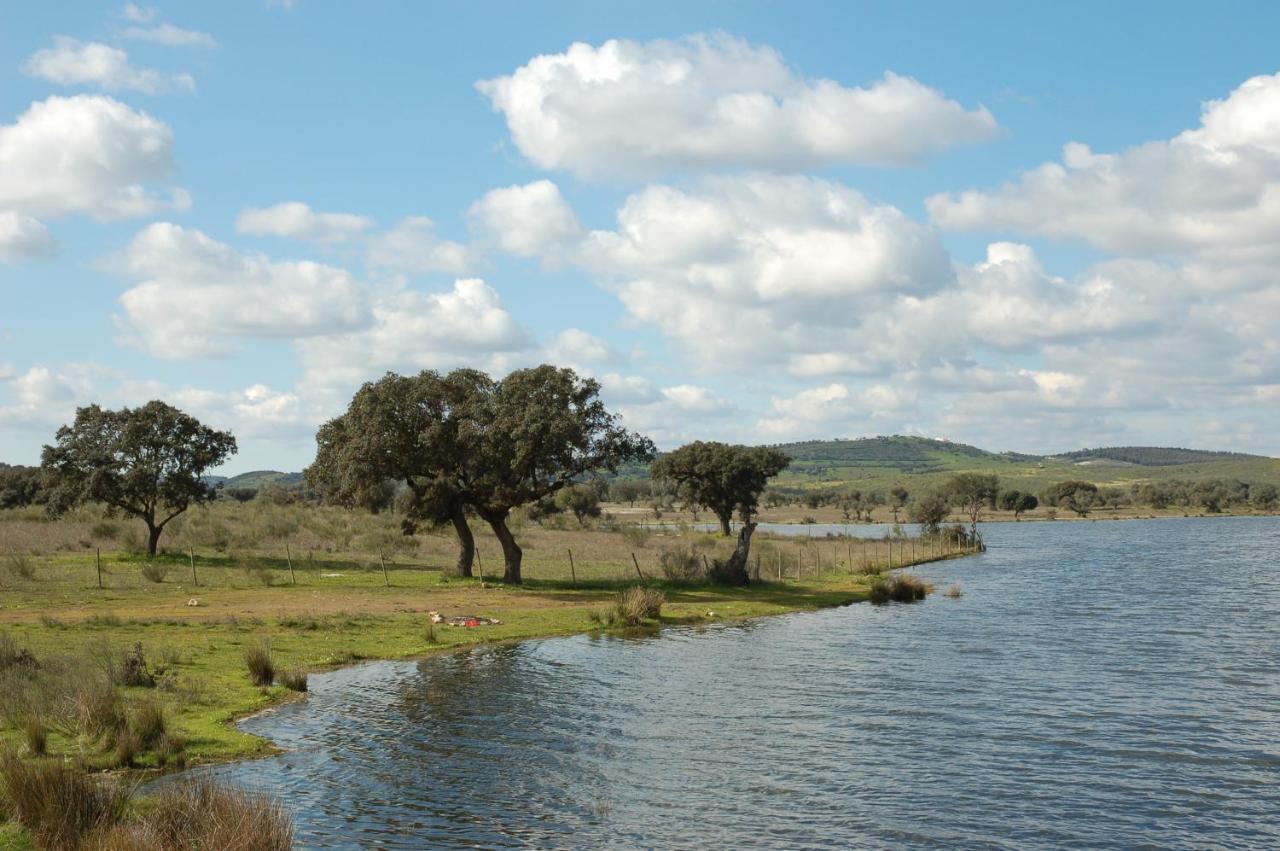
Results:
x,y
779,552
191,557
386,580
573,573
97,560
289,558
479,564
637,564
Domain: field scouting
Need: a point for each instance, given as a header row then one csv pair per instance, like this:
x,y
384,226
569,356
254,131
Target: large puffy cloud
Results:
x,y
22,237
747,270
197,295
71,62
533,220
411,330
87,154
296,220
629,108
1213,189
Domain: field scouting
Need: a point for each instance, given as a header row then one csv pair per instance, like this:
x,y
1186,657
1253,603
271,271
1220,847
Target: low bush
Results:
x,y
636,605
154,572
58,804
682,565
294,680
20,566
13,656
955,591
132,670
262,668
128,747
104,530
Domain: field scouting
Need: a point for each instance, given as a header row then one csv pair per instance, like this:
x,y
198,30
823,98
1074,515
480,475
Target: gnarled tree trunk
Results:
x,y
153,535
735,569
725,528
466,541
511,552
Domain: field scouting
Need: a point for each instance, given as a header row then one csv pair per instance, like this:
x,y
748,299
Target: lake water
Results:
x,y
1098,685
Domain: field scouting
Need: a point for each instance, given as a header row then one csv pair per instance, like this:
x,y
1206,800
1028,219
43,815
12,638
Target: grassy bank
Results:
x,y
308,605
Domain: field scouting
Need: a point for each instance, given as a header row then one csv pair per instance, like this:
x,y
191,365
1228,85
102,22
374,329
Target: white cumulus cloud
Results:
x,y
1214,188
533,220
88,154
627,108
296,220
196,296
72,62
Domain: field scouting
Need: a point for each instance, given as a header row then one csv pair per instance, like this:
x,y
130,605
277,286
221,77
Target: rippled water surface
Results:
x,y
1098,685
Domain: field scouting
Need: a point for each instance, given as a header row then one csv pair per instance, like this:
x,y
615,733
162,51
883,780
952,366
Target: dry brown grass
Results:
x,y
202,814
59,805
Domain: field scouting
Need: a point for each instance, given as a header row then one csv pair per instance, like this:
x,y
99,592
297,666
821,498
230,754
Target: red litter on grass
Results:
x,y
472,622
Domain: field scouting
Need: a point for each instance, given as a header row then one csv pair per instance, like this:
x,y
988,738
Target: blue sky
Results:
x,y
808,270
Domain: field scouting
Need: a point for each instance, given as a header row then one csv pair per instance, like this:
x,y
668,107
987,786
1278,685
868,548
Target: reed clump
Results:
x,y
901,588
637,604
262,668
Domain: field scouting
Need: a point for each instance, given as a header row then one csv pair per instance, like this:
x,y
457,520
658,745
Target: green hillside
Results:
x,y
881,462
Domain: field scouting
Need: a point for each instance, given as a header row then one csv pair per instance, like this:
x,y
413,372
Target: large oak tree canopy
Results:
x,y
467,441
147,462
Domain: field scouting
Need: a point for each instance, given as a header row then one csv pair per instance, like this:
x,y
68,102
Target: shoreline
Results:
x,y
331,642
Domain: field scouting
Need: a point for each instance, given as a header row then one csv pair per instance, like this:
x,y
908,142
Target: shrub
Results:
x,y
955,591
430,635
262,668
56,803
20,566
133,669
104,530
154,572
637,536
294,680
13,656
636,604
681,565
260,574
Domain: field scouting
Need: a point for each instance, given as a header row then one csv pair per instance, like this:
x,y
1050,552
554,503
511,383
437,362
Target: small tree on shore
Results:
x,y
1073,495
146,462
930,511
971,493
897,500
724,479
1017,502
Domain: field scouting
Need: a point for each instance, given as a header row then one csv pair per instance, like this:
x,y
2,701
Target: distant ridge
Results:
x,y
1155,456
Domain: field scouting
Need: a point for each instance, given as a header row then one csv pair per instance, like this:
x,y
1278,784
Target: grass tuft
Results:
x,y
262,668
294,680
637,604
